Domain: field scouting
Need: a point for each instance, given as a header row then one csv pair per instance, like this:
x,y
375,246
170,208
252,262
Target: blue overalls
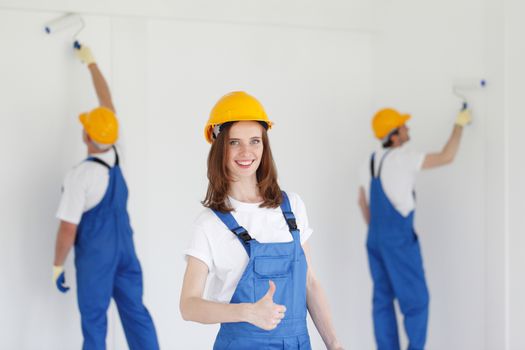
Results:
x,y
397,270
284,264
107,266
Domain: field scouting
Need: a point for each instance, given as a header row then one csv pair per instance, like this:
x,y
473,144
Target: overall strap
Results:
x,y
372,165
288,214
116,155
99,161
292,224
239,231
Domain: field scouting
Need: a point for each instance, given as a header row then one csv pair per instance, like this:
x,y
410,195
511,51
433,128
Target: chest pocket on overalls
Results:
x,y
277,269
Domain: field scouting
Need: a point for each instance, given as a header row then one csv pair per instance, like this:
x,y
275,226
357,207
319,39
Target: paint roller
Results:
x,y
460,88
69,20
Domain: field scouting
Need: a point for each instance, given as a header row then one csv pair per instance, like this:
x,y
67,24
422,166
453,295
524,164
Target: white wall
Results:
x,y
496,150
515,76
342,14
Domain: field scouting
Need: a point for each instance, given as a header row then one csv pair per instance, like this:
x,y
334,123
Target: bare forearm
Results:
x,y
64,242
363,205
366,212
101,87
319,310
451,147
447,155
209,312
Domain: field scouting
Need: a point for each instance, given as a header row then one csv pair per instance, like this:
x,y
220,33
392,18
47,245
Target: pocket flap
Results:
x,y
272,266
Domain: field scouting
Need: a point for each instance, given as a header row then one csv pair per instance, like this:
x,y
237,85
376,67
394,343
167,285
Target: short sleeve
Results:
x,y
199,247
416,159
301,217
72,200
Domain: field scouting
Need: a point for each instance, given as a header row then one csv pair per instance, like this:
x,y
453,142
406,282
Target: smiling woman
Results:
x,y
261,282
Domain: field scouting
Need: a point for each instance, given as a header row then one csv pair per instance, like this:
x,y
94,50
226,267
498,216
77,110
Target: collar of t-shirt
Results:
x,y
107,157
243,206
380,151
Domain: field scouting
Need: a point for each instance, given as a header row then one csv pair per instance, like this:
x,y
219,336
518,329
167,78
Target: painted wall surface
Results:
x,y
515,76
496,155
349,14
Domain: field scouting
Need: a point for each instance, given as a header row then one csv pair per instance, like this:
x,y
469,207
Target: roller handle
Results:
x,y
77,45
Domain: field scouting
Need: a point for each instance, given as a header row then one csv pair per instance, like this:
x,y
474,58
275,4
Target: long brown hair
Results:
x,y
219,177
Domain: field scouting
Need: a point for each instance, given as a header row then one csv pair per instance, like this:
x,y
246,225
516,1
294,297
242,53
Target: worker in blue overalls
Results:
x,y
93,216
250,243
387,201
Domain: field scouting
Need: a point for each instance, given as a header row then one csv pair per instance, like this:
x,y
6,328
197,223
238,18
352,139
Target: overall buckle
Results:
x,y
242,234
292,224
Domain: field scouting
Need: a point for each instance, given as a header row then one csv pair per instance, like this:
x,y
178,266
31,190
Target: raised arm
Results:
x,y
264,314
448,153
318,307
85,55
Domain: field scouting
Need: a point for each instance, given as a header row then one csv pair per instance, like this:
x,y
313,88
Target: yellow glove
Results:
x,y
84,54
59,278
464,117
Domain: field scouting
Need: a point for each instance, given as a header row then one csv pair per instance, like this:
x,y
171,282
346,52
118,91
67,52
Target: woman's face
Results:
x,y
244,147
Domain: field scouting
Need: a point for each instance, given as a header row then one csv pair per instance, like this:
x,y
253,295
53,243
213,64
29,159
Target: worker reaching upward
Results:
x,y
93,216
387,202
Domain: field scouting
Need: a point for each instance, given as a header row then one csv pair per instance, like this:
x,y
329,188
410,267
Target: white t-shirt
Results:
x,y
398,176
215,245
84,187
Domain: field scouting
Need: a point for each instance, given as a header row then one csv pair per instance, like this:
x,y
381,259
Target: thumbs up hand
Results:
x,y
265,313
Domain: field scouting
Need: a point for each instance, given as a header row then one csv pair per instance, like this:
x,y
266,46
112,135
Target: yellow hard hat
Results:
x,y
101,125
233,107
386,120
